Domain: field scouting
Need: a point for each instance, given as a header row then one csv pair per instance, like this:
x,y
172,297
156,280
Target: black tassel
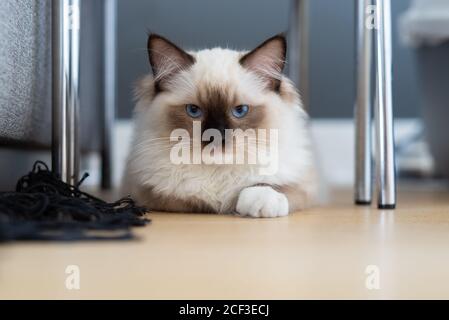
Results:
x,y
46,208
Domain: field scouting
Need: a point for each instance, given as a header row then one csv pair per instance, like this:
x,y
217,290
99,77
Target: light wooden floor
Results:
x,y
320,253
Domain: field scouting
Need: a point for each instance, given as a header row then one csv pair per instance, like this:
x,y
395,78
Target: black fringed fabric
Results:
x,y
45,208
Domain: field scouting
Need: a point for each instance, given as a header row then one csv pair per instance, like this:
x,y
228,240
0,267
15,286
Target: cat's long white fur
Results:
x,y
219,186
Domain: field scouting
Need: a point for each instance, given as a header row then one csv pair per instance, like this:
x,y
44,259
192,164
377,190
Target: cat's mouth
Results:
x,y
214,142
247,148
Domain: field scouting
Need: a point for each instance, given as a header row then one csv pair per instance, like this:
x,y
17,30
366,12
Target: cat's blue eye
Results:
x,y
194,111
240,111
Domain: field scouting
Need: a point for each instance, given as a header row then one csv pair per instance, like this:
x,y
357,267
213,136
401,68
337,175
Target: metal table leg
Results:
x,y
65,82
363,160
386,173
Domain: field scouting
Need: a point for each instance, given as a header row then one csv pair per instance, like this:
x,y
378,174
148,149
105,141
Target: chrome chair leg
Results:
x,y
65,84
110,90
298,48
385,153
363,108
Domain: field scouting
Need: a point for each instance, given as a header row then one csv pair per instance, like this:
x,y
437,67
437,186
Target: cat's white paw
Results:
x,y
262,202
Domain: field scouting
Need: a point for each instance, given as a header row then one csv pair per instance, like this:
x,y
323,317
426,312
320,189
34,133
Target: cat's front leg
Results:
x,y
262,202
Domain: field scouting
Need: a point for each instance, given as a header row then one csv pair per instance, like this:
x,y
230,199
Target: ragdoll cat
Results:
x,y
219,90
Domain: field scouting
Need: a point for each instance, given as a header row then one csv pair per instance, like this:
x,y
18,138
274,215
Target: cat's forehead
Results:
x,y
217,55
217,95
217,65
219,77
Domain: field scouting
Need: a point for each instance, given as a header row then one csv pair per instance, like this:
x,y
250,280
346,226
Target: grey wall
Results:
x,y
243,24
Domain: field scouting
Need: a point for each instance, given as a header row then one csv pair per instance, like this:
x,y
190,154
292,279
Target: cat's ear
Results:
x,y
268,61
166,59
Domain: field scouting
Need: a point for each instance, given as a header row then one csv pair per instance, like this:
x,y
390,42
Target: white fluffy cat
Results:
x,y
222,90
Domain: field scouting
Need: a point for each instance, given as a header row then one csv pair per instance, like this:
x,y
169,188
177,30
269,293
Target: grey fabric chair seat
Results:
x,y
26,73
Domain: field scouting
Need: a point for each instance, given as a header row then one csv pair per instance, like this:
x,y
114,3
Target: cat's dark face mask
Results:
x,y
222,112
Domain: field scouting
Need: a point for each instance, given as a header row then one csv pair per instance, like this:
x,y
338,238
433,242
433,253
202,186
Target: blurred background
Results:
x,y
197,24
